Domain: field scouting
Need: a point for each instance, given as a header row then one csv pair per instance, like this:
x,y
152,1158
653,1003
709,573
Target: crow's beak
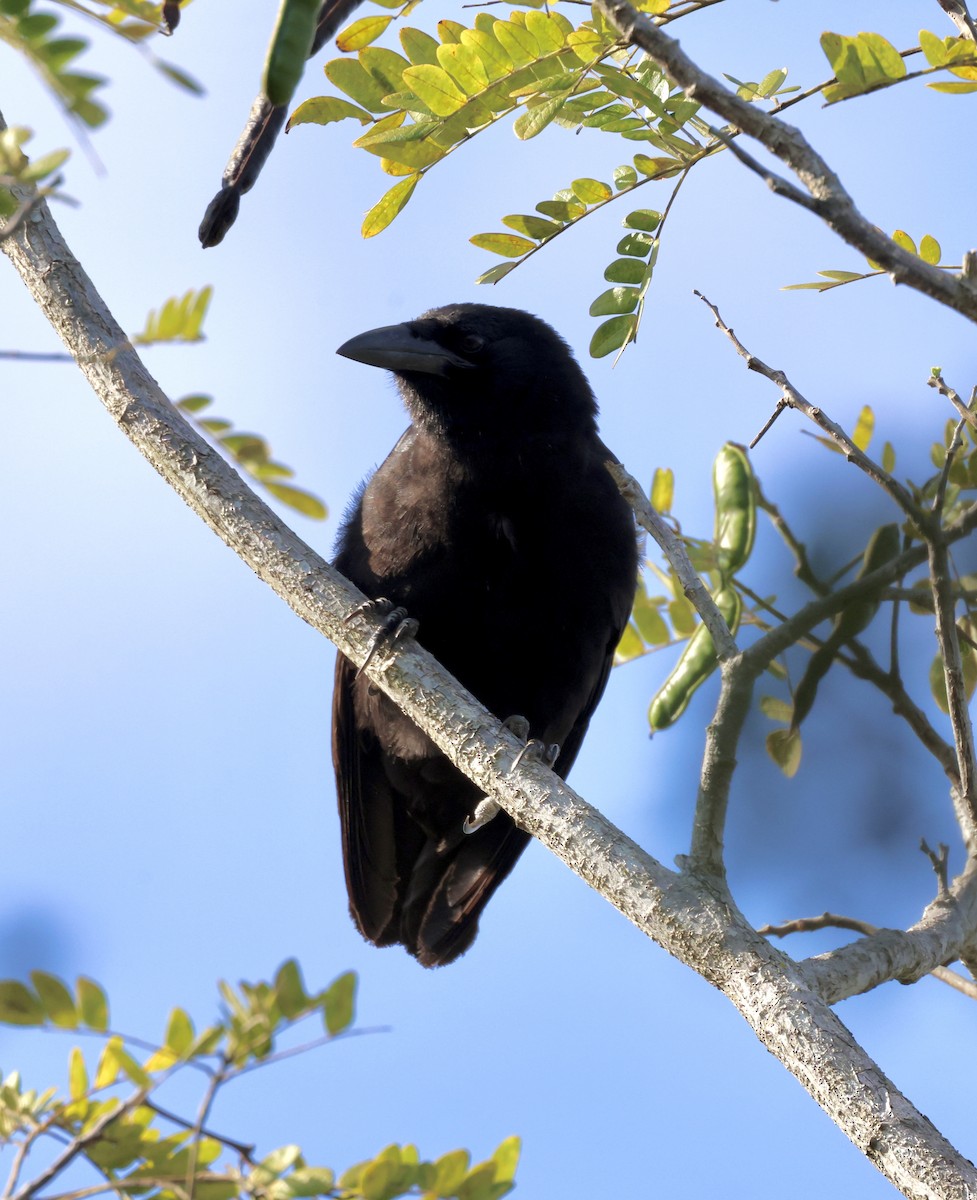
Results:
x,y
398,348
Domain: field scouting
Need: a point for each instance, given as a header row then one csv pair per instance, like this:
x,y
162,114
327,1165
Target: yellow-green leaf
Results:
x,y
591,191
784,747
663,489
389,205
92,1004
465,67
322,110
338,1003
56,999
902,239
517,42
864,428
18,1004
362,32
435,87
77,1074
930,250
506,244
546,30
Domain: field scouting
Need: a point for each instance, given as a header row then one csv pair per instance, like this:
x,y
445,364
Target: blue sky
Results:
x,y
170,814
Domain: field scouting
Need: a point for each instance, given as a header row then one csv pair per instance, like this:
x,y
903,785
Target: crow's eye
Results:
x,y
471,343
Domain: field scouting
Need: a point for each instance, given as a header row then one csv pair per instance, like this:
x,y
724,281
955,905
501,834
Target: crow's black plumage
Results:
x,y
495,523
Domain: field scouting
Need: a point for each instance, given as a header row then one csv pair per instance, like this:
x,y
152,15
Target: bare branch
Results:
x,y
792,398
829,920
944,932
957,11
966,411
965,799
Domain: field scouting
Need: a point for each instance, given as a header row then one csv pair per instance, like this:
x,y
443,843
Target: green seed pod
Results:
x,y
290,46
735,491
696,663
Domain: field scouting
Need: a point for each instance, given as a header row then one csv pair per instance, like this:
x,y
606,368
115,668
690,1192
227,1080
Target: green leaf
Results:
x,y
77,1075
657,168
389,205
591,191
630,646
464,66
506,244
953,87
784,747
771,82
179,1032
310,1181
933,47
561,210
624,178
322,110
451,1170
18,1004
338,1003
419,47
930,250
625,270
299,499
864,428
615,300
57,1001
645,219
495,60
902,239
888,458
436,88
547,31
536,228
494,274
195,403
776,709
92,1004
290,990
351,77
517,42
536,117
506,1158
362,32
612,335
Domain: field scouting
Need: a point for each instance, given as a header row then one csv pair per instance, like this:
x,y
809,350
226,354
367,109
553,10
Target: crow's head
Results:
x,y
474,371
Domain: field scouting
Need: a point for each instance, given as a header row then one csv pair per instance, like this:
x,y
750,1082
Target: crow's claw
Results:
x,y
534,749
537,751
396,625
485,810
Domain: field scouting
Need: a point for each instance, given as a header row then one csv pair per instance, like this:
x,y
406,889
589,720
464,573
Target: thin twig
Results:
x,y
938,860
829,920
245,1151
965,800
78,1144
966,411
793,399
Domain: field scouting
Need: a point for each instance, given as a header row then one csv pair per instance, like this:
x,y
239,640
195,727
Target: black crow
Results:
x,y
495,523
